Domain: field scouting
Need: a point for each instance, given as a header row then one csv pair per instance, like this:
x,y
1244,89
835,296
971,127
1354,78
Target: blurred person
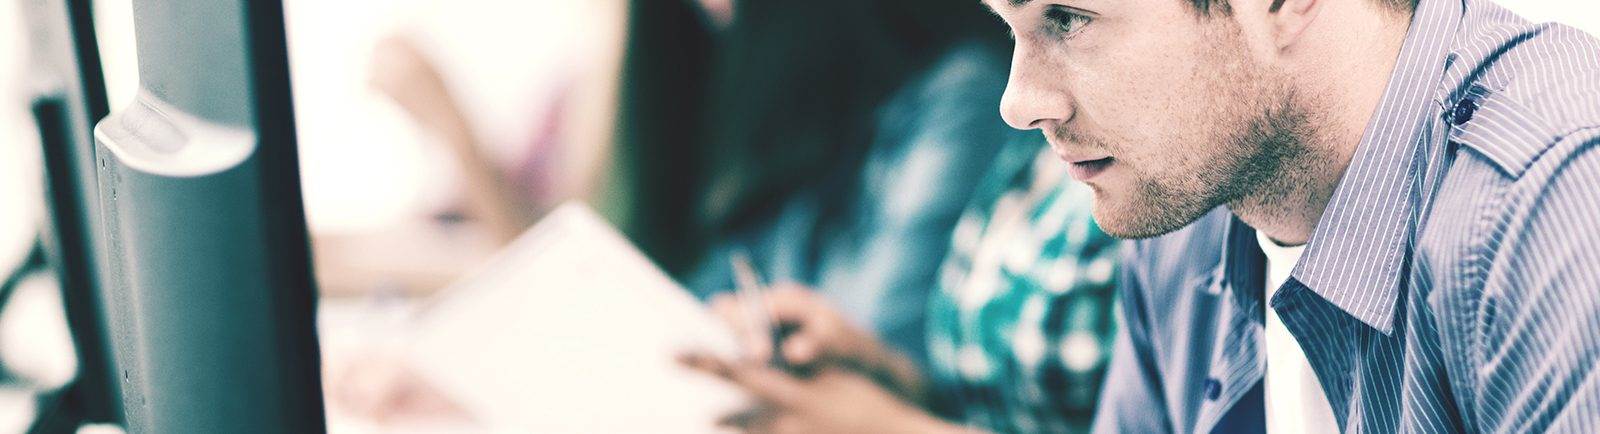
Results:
x,y
655,174
1019,327
828,162
505,201
912,102
1354,216
563,158
401,71
854,186
730,119
710,117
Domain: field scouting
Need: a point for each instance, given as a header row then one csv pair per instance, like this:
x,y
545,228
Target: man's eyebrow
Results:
x,y
1018,3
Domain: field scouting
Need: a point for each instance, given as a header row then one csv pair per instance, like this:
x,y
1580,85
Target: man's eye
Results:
x,y
1065,22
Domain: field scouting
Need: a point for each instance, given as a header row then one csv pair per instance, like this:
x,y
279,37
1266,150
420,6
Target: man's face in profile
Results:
x,y
1165,110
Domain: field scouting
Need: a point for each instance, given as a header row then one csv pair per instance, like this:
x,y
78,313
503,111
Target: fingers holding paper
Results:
x,y
813,332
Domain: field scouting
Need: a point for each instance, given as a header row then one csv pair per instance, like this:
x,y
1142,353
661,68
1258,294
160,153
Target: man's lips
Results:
x,y
1086,169
1077,156
1082,165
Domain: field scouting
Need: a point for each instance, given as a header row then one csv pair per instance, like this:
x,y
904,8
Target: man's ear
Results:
x,y
1290,18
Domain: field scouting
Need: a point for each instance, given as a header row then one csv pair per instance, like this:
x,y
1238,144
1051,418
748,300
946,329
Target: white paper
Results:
x,y
572,330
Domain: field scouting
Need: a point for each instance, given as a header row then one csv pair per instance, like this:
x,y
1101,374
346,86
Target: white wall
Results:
x,y
1582,14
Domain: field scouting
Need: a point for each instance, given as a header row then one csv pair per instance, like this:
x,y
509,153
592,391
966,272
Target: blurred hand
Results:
x,y
815,336
833,401
815,332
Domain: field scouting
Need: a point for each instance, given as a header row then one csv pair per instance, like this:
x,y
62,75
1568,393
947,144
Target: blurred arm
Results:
x,y
401,71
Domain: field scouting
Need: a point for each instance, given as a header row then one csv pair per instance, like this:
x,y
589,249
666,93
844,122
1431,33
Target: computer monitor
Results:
x,y
192,221
68,97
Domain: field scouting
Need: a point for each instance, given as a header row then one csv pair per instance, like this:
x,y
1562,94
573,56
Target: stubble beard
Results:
x,y
1263,161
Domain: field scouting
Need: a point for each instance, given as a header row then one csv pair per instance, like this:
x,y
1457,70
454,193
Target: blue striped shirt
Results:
x,y
1452,283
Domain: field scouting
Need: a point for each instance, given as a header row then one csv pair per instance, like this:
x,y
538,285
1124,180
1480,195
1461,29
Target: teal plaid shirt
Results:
x,y
1021,327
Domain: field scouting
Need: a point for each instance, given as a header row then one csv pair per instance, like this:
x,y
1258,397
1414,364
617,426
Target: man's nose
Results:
x,y
1034,97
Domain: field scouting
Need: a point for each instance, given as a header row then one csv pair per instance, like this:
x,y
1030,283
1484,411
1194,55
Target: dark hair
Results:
x,y
664,68
781,96
1221,7
795,83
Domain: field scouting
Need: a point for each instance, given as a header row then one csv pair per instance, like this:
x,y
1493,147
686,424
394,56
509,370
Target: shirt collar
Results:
x,y
1242,271
1358,254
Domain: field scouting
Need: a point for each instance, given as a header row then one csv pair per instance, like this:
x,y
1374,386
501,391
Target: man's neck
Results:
x,y
1342,77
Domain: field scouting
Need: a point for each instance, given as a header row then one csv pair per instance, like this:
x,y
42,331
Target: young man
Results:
x,y
1358,215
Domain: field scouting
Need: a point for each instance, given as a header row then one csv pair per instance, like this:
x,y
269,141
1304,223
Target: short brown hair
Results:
x,y
1209,7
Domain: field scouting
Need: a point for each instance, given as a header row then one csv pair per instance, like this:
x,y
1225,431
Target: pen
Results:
x,y
758,321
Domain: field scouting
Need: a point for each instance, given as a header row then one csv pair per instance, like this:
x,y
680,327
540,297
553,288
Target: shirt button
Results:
x,y
1464,110
1213,389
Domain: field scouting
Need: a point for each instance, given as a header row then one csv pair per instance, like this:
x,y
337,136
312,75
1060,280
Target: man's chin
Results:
x,y
1138,221
1115,229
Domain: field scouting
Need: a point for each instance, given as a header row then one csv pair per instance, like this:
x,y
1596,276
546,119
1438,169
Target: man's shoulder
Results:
x,y
1530,86
1522,106
1488,229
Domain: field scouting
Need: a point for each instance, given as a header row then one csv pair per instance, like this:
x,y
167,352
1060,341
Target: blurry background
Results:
x,y
431,132
380,191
